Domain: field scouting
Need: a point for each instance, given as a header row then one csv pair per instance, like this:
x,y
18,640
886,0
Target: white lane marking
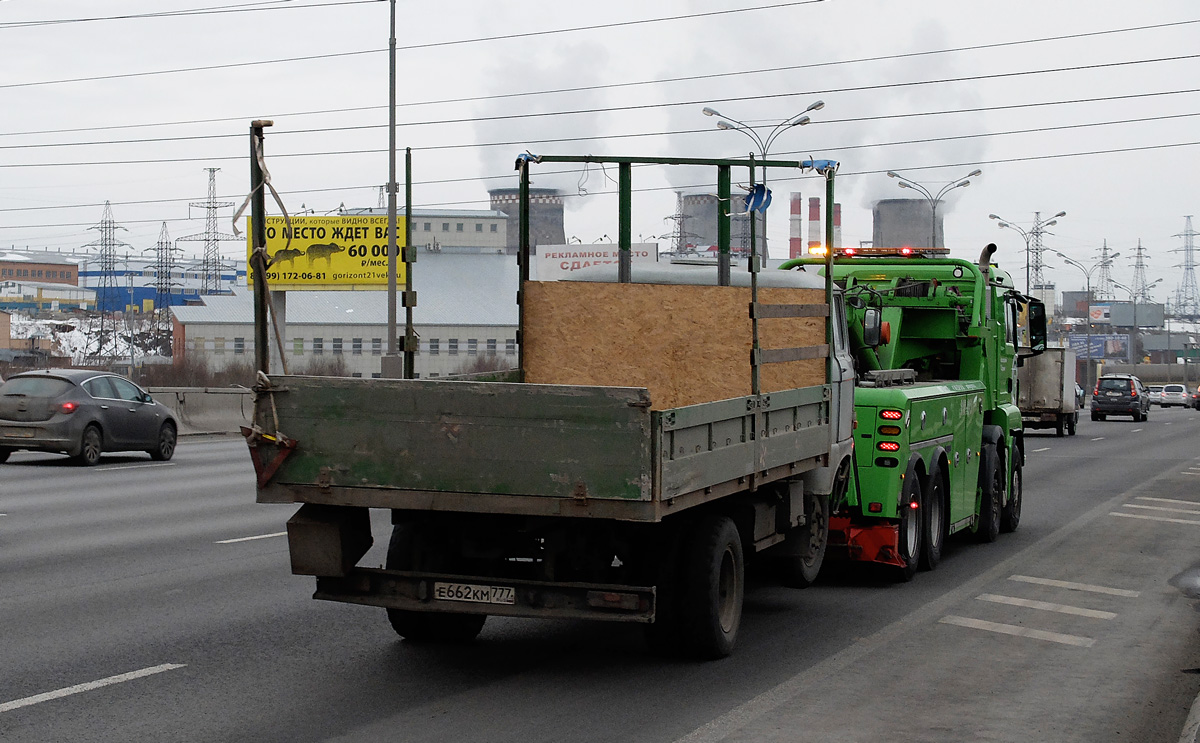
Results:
x,y
1191,473
1044,448
134,466
249,539
1074,586
1161,508
1154,518
1046,606
122,678
1098,438
1136,430
1166,424
1168,500
1012,629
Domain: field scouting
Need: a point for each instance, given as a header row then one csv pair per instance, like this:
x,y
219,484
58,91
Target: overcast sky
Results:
x,y
132,109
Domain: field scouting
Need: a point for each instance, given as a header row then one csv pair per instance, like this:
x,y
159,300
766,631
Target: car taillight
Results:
x,y
1096,391
68,407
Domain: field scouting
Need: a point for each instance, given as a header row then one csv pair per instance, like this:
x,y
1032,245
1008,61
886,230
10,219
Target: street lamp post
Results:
x,y
933,200
1034,232
764,144
1137,332
1087,273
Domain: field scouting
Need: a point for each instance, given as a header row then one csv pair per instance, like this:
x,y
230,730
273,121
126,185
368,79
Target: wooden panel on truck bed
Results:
x,y
466,437
686,344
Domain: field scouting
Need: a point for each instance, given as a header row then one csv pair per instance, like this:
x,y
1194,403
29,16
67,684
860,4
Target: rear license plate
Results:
x,y
474,594
1113,394
17,433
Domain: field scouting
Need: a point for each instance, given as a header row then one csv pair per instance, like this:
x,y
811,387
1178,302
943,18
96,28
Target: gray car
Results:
x,y
83,414
1120,394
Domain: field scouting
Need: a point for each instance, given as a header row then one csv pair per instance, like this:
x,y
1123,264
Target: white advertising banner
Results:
x,y
557,262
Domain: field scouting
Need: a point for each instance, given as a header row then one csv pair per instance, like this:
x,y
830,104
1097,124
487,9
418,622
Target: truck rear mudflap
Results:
x,y
876,542
456,594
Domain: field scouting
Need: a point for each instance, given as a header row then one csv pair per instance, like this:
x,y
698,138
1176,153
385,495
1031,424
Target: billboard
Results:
x,y
556,262
1100,314
345,252
1110,346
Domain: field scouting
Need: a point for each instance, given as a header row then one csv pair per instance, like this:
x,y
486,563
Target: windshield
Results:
x,y
35,386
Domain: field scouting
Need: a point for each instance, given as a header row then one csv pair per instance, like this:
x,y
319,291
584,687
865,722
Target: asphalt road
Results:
x,y
150,601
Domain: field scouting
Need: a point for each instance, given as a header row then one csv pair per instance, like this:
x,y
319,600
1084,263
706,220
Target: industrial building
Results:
x,y
466,315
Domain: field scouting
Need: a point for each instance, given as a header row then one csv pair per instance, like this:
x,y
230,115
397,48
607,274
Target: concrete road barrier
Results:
x,y
207,409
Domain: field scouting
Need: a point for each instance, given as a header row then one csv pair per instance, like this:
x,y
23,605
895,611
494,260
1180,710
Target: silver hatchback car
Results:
x,y
1174,394
83,414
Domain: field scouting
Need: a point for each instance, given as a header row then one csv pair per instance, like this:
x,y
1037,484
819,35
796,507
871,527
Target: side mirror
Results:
x,y
872,326
1037,327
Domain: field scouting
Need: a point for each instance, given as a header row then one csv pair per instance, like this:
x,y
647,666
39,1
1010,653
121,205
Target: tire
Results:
x,y
4,455
91,446
1146,415
1010,515
1138,416
1095,416
664,635
1060,426
909,542
1072,424
934,520
165,448
800,570
714,583
1099,416
991,493
420,626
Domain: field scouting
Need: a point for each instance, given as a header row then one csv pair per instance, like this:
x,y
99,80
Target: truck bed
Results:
x,y
530,449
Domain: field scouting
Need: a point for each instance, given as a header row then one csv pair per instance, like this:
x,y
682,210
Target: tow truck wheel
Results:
x,y
714,581
910,510
991,494
933,524
420,626
1010,516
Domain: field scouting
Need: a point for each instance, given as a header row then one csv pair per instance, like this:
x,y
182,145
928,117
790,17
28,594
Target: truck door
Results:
x,y
843,370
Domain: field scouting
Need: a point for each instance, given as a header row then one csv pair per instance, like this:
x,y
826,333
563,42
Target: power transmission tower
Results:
x,y
1104,288
211,265
1141,292
679,236
164,274
1035,250
1187,302
108,293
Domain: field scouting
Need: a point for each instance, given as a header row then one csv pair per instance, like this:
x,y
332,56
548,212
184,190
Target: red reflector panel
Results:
x,y
888,446
875,507
891,415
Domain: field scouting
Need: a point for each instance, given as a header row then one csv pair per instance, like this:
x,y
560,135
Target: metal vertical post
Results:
x,y
258,242
522,262
755,375
391,188
723,181
625,223
829,375
410,297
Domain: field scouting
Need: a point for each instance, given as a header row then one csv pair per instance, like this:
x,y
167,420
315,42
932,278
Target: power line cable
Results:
x,y
412,47
266,5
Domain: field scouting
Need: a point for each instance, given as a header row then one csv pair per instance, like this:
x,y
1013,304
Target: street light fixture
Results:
x,y
1137,333
764,143
1034,231
933,200
1087,273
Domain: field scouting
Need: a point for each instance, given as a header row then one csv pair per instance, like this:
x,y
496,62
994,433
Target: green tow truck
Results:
x,y
938,445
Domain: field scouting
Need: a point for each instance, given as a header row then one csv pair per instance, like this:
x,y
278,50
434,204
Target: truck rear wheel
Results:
x,y
991,493
420,626
911,513
1060,425
1072,422
1010,516
933,524
714,582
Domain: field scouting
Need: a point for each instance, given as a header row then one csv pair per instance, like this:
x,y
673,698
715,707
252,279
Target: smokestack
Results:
x,y
796,232
814,222
837,225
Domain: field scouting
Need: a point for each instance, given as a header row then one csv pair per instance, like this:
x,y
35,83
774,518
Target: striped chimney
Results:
x,y
814,222
837,225
796,227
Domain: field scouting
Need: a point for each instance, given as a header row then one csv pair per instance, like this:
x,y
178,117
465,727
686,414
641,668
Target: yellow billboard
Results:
x,y
347,252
